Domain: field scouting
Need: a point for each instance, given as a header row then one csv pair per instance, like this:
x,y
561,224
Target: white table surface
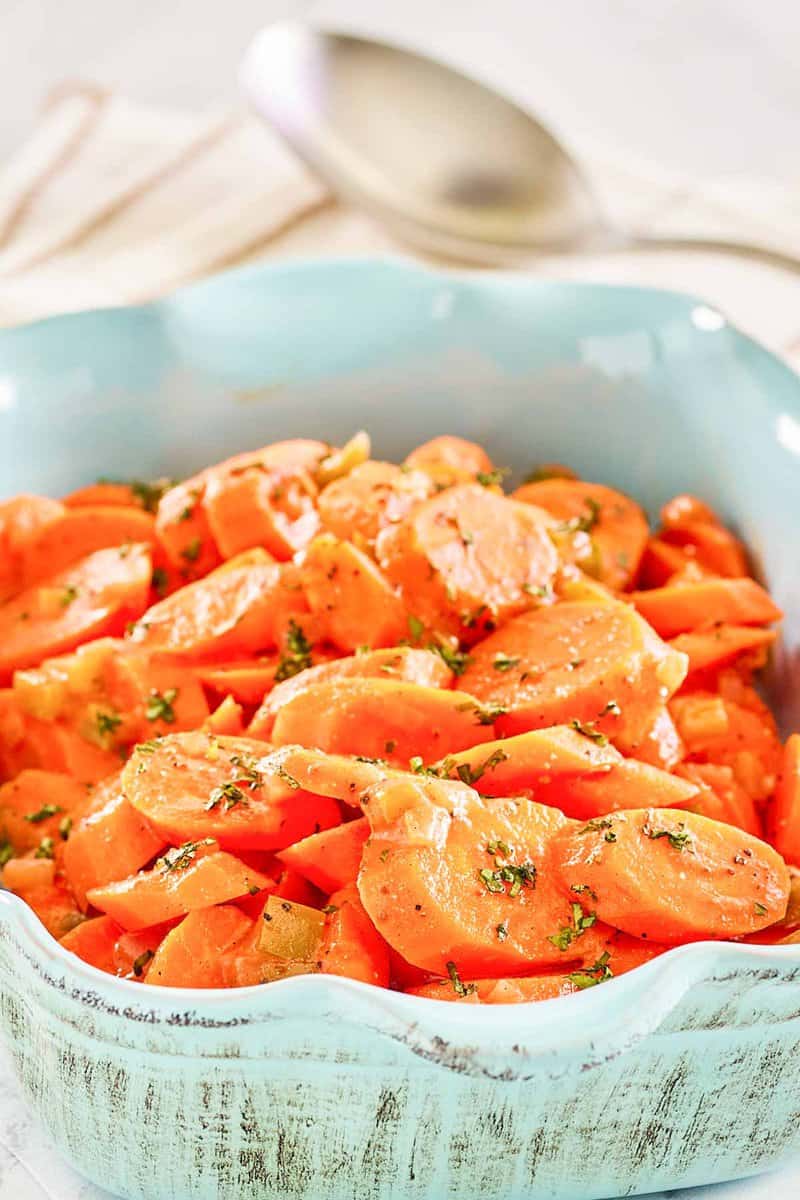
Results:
x,y
700,85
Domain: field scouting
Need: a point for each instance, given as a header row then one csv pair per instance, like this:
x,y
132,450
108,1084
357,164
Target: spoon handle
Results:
x,y
765,254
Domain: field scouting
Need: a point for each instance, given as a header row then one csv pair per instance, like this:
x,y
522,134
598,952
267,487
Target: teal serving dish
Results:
x,y
681,1072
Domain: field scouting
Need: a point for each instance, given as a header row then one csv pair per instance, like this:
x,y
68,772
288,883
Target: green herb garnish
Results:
x,y
679,839
588,729
581,921
41,814
297,656
460,988
227,795
160,706
600,972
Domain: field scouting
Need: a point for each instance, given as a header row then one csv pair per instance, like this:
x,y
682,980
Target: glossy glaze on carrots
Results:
x,y
313,712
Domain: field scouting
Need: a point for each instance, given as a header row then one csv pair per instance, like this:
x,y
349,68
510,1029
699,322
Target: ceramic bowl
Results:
x,y
681,1072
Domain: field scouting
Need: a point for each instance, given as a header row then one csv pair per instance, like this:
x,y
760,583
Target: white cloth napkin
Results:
x,y
113,202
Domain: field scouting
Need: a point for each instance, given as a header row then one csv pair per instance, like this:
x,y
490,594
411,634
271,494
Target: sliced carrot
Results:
x,y
229,612
194,875
151,694
191,786
184,531
450,878
783,812
467,560
351,945
92,598
423,667
371,497
135,948
110,843
330,859
109,494
21,875
80,532
721,731
711,648
711,546
600,529
189,955
22,520
450,460
273,507
35,881
660,563
39,806
338,776
55,746
673,876
720,797
382,718
683,608
227,719
659,743
247,680
94,941
680,509
350,596
559,767
599,665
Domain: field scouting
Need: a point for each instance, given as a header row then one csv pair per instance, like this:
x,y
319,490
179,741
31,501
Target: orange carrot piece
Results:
x,y
369,498
55,746
659,742
673,876
351,598
192,876
274,508
467,559
21,875
351,945
730,733
599,529
596,664
184,532
711,547
338,776
449,460
783,813
382,718
227,719
22,520
232,611
709,649
720,797
247,680
432,881
685,607
94,941
660,562
190,954
153,695
92,598
330,859
39,806
191,786
680,509
78,533
110,843
135,948
423,667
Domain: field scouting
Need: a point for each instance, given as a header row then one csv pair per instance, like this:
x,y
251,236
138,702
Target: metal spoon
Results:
x,y
447,163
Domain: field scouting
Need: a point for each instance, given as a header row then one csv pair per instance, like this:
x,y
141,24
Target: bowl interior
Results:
x,y
650,391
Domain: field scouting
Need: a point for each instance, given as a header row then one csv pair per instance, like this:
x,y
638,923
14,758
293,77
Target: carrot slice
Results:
x,y
231,611
600,529
400,662
152,695
467,560
273,507
382,718
22,520
95,941
110,843
370,497
349,595
189,955
711,546
94,597
561,768
784,810
184,531
135,948
726,732
720,797
660,562
684,607
195,785
599,665
450,460
712,648
673,876
337,776
55,746
39,807
684,507
330,859
351,945
80,532
192,876
450,878
247,680
227,719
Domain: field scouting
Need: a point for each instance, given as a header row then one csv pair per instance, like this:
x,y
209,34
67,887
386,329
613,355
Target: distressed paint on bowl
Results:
x,y
684,1071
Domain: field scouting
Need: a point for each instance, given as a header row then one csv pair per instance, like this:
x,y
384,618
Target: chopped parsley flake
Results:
x,y
41,814
45,849
585,522
69,594
415,627
460,988
600,972
297,656
517,875
160,706
588,729
504,663
107,723
227,795
760,909
471,775
141,962
148,493
456,660
581,921
6,853
492,478
65,828
181,857
678,838
288,779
